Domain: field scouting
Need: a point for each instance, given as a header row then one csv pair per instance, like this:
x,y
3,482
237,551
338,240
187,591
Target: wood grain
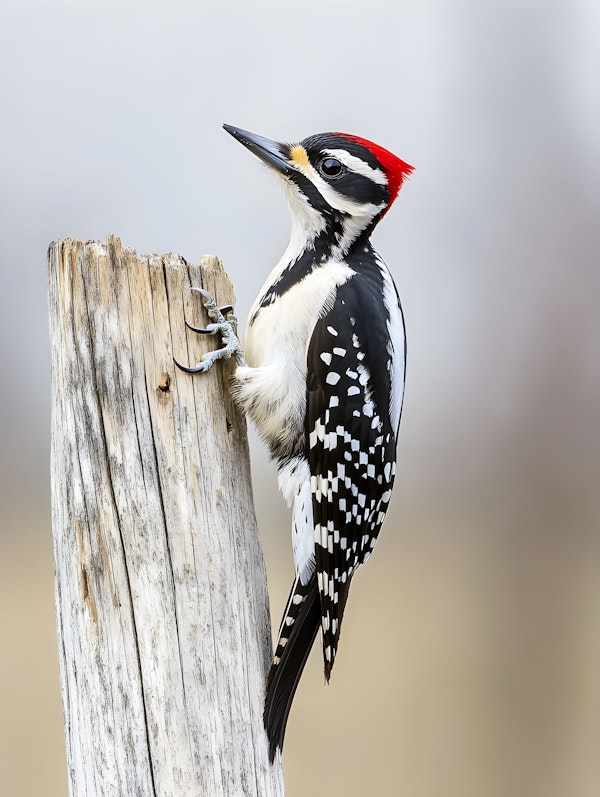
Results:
x,y
161,600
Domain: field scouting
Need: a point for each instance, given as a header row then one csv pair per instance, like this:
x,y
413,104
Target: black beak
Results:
x,y
268,151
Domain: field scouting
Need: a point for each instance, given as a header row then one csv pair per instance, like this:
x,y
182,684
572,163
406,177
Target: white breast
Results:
x,y
273,388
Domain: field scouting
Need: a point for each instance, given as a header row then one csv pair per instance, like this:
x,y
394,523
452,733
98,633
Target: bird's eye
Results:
x,y
330,167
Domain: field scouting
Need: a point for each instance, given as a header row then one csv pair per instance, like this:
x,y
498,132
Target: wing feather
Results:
x,y
350,446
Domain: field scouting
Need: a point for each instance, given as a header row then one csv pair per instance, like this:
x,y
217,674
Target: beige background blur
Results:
x,y
470,658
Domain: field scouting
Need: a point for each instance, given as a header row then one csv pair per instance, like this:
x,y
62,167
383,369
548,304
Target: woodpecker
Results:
x,y
323,381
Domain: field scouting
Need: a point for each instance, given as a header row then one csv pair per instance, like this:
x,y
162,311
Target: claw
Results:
x,y
218,314
206,294
202,330
211,306
197,369
223,324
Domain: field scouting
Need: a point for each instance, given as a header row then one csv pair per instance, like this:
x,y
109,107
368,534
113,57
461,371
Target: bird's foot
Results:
x,y
225,323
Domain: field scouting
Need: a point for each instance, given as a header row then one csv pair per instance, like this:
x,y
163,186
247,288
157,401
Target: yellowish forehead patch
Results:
x,y
299,156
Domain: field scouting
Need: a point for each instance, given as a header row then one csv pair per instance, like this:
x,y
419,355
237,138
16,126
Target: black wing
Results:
x,y
350,443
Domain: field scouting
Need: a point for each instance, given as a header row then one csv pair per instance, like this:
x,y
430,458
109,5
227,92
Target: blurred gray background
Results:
x,y
470,657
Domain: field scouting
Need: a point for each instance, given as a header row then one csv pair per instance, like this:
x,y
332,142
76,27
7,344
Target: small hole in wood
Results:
x,y
85,588
164,383
229,425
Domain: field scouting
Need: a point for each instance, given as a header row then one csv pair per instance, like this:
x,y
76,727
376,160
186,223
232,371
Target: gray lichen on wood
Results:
x,y
162,609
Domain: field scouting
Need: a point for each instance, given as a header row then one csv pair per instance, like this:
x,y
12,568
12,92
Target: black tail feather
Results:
x,y
296,638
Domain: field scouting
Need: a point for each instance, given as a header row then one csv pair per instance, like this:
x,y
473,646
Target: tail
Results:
x,y
301,621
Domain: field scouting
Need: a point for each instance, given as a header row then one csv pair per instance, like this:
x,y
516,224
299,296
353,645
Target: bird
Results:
x,y
321,374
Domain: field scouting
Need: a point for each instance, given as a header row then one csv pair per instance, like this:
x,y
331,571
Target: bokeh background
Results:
x,y
470,657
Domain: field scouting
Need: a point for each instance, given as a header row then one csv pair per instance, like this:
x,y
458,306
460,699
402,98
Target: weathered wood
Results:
x,y
161,597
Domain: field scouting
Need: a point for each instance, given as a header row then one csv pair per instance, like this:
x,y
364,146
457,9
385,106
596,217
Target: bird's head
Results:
x,y
332,180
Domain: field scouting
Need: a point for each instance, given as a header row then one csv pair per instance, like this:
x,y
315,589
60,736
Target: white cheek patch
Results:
x,y
357,165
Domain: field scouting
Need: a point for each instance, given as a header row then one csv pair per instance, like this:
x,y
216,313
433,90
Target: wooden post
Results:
x,y
161,599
